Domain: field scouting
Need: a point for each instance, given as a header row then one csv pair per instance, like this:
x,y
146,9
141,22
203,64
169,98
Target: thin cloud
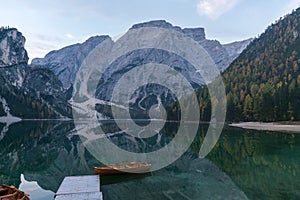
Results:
x,y
38,49
215,8
68,35
38,45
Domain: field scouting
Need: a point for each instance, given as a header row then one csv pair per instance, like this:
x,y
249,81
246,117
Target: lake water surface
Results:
x,y
244,164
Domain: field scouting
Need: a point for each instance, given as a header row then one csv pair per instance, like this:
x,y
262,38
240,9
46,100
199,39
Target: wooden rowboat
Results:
x,y
12,193
125,168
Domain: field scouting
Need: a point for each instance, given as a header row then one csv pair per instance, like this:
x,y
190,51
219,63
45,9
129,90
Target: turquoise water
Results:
x,y
243,164
264,164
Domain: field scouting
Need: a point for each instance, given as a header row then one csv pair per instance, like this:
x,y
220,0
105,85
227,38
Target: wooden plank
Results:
x,y
79,184
79,187
81,196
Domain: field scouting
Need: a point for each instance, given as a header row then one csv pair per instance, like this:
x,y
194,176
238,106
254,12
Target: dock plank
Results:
x,y
79,187
81,196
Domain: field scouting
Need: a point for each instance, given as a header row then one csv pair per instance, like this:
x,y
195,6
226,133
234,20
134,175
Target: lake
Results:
x,y
244,164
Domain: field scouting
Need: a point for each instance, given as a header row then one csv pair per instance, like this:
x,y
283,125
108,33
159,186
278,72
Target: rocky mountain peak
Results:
x,y
12,51
154,23
65,62
197,34
236,48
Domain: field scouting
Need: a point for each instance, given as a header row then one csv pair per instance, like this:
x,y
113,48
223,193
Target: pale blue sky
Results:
x,y
49,25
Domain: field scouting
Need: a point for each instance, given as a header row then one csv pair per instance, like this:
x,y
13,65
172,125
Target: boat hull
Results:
x,y
11,193
127,168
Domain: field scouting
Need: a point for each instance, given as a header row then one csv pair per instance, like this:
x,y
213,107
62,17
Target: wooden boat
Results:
x,y
125,168
12,193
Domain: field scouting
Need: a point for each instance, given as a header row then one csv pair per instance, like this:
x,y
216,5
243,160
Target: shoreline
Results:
x,y
267,126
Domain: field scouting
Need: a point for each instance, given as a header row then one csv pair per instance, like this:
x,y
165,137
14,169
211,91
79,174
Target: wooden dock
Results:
x,y
80,188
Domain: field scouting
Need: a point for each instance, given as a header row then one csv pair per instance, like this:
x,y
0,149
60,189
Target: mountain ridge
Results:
x,y
263,83
66,70
65,62
44,87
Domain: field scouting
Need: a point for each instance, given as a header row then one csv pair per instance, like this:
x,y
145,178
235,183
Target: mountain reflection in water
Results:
x,y
256,163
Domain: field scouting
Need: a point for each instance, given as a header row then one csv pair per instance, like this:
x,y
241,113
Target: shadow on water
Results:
x,y
260,164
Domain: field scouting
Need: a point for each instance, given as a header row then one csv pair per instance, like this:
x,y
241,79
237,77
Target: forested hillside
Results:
x,y
263,83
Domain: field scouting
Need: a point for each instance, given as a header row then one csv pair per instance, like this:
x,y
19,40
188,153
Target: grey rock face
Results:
x,y
66,61
13,56
48,88
223,55
12,51
236,48
18,82
155,23
14,75
217,52
140,57
153,94
43,81
197,34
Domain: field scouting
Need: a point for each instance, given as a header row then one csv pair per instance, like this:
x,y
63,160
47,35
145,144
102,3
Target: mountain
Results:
x,y
223,55
12,51
48,88
66,61
19,96
13,55
152,94
263,83
43,88
236,48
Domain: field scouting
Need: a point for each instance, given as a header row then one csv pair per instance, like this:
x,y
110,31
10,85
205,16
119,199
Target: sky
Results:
x,y
53,24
